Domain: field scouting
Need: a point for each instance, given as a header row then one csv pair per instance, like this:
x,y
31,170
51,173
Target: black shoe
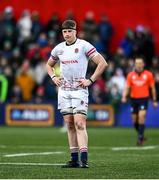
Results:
x,y
141,142
84,164
71,164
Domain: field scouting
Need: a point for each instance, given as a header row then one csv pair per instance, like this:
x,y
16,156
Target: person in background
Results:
x,y
138,84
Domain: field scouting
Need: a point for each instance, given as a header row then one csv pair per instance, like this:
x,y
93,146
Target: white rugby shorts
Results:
x,y
76,99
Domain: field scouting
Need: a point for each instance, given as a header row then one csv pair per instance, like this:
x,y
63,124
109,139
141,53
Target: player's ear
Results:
x,y
75,32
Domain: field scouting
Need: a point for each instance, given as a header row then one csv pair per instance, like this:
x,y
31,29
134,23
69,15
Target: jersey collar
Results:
x,y
71,43
139,73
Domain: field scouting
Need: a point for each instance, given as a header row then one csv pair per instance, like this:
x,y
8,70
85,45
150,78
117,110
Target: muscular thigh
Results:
x,y
68,118
80,102
64,100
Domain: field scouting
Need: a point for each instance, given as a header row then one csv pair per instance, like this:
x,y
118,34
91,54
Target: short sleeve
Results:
x,y
54,55
128,80
90,50
151,79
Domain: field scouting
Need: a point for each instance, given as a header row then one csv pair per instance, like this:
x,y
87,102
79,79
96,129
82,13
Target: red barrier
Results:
x,y
122,13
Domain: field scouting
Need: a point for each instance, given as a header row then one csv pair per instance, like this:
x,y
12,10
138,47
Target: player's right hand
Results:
x,y
124,100
155,104
84,83
57,81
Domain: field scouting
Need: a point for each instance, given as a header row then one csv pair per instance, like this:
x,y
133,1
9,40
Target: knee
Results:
x,y
80,126
142,118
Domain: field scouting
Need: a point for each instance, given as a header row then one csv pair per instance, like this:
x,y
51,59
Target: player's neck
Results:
x,y
139,72
71,43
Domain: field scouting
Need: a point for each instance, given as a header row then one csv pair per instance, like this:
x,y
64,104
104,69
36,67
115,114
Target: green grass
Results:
x,y
104,162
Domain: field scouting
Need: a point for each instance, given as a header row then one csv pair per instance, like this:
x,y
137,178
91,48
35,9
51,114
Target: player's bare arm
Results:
x,y
101,66
49,66
125,94
154,98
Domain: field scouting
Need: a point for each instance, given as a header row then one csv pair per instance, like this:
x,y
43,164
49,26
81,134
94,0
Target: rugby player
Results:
x,y
74,55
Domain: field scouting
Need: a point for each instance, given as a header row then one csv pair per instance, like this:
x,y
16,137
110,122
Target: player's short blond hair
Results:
x,y
69,24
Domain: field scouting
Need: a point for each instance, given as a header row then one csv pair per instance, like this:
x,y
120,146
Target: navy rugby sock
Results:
x,y
74,154
84,154
136,126
141,131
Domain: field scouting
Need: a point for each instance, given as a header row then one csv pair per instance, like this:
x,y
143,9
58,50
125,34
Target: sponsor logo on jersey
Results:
x,y
133,77
145,76
69,62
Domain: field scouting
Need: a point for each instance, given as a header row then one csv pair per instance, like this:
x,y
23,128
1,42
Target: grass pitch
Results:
x,y
36,153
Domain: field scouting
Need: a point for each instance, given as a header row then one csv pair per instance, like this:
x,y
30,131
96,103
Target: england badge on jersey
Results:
x,y
76,50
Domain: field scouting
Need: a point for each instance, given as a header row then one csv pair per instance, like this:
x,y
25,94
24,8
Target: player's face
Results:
x,y
69,35
139,65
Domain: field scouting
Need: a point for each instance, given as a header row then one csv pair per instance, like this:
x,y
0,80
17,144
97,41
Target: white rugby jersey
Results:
x,y
73,61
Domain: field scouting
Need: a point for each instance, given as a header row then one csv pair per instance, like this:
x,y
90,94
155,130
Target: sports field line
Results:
x,y
2,146
32,154
90,147
31,164
133,148
46,147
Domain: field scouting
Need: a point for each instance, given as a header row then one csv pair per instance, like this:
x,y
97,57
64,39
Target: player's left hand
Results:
x,y
155,104
84,83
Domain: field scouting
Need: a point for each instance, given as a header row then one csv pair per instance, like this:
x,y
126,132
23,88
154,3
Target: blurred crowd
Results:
x,y
26,43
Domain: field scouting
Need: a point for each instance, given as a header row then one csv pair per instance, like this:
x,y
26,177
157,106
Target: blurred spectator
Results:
x,y
110,70
144,44
39,95
105,32
24,25
130,66
8,73
9,19
118,55
117,79
127,44
9,37
36,25
114,96
32,49
155,64
3,63
24,45
3,88
42,40
7,50
54,26
40,72
70,15
98,44
45,51
99,92
16,95
16,59
25,81
2,29
149,50
89,26
35,55
50,89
